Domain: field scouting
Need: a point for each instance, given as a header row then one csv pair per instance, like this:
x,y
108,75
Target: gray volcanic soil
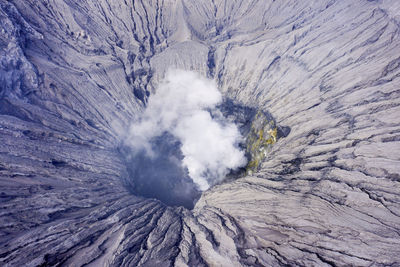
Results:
x,y
74,74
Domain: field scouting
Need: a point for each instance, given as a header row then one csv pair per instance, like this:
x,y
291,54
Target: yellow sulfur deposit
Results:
x,y
263,134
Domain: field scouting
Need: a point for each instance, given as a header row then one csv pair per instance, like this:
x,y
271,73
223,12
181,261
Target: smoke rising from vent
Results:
x,y
184,106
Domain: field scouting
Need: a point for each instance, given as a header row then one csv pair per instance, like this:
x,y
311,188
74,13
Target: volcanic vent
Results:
x,y
77,79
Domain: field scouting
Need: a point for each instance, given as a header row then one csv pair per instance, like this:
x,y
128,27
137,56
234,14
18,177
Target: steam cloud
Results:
x,y
185,107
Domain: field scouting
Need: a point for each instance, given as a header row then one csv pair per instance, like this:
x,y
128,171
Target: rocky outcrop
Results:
x,y
75,73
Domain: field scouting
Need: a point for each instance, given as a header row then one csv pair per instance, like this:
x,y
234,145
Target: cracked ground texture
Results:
x,y
74,73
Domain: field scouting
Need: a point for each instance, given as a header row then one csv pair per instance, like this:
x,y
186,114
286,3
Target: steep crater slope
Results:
x,y
74,74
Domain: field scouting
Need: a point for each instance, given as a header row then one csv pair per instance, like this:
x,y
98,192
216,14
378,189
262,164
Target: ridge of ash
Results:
x,y
312,85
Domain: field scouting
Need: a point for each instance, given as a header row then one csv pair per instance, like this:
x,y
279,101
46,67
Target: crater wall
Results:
x,y
75,73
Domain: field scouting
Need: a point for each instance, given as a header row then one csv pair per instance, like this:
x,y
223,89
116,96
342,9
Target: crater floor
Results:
x,y
73,75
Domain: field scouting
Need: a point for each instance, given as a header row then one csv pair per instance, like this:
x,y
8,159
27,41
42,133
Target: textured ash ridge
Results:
x,y
74,73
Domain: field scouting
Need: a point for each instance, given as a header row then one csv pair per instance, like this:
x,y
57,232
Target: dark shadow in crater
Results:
x,y
244,117
164,178
161,177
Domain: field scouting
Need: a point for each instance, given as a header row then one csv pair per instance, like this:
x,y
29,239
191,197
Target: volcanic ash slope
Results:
x,y
75,73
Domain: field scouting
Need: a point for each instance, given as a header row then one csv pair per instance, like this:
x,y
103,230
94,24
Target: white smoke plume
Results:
x,y
181,106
